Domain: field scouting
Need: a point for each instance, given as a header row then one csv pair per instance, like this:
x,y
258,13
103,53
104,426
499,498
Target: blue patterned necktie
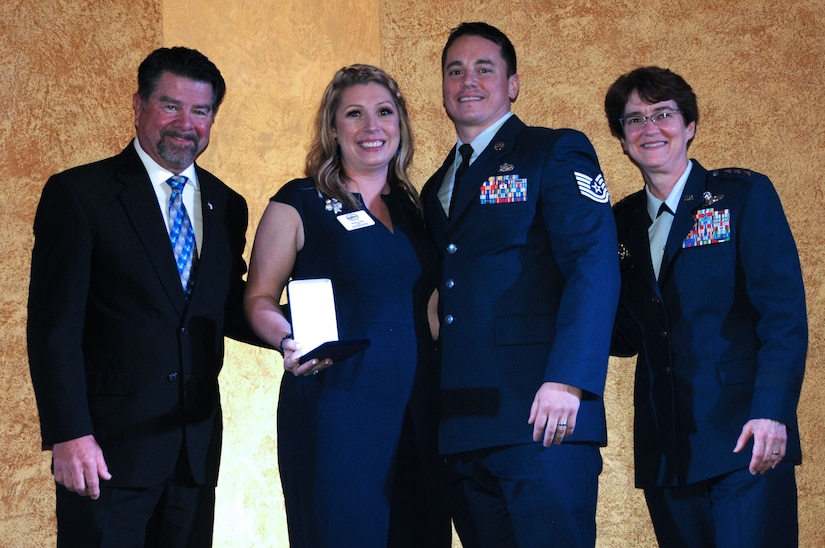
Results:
x,y
181,233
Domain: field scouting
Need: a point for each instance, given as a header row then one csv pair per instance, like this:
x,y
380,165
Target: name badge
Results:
x,y
355,220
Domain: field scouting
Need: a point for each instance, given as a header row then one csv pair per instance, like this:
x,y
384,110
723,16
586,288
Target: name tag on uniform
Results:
x,y
355,220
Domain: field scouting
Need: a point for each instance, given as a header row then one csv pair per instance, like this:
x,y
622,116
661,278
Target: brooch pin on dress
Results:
x,y
332,204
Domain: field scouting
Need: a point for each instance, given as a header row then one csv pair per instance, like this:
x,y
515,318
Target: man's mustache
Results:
x,y
178,135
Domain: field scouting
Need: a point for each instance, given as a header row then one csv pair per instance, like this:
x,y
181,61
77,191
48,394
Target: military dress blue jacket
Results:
x,y
529,285
722,336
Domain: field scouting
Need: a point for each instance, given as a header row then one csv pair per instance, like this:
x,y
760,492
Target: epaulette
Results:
x,y
631,200
628,209
733,173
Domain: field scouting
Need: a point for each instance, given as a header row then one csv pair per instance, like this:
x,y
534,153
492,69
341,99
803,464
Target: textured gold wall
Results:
x,y
68,72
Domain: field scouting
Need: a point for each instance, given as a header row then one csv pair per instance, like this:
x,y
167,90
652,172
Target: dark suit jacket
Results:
x,y
528,288
115,348
721,337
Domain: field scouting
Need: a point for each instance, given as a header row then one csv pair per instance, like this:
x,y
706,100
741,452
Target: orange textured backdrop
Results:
x,y
68,71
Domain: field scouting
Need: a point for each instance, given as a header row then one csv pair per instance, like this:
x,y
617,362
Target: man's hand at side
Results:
x,y
79,466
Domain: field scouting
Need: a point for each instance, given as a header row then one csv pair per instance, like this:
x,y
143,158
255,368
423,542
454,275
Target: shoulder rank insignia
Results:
x,y
592,187
731,171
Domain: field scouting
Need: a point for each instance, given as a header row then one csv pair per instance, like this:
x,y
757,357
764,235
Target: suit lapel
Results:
x,y
141,206
488,163
683,221
640,247
211,203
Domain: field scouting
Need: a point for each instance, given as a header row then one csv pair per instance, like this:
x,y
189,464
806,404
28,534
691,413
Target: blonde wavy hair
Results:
x,y
324,163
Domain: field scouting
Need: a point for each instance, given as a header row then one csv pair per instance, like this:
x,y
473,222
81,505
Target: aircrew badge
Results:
x,y
711,199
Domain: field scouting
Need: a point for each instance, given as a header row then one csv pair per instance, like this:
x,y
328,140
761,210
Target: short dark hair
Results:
x,y
653,84
489,32
184,62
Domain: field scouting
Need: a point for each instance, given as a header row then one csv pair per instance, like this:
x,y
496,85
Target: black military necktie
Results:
x,y
658,233
466,152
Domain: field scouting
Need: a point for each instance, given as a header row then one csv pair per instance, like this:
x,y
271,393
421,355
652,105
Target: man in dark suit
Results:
x,y
125,332
528,292
713,303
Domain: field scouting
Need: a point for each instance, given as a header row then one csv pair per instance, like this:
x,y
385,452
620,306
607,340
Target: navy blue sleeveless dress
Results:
x,y
360,437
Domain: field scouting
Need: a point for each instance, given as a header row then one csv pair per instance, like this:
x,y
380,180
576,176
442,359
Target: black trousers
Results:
x,y
176,514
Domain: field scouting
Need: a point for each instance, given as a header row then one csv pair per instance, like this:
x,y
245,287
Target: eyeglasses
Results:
x,y
636,122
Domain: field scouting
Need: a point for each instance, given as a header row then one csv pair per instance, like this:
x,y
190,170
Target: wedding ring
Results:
x,y
562,425
776,452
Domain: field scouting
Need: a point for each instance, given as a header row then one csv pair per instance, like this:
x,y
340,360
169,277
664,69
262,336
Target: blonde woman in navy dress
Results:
x,y
356,437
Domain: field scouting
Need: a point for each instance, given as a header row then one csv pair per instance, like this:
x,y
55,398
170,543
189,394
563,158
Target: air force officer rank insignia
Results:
x,y
592,187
